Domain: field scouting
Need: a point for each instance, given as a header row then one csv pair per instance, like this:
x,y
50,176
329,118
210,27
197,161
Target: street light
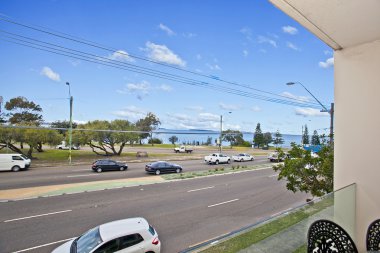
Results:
x,y
331,111
71,123
221,132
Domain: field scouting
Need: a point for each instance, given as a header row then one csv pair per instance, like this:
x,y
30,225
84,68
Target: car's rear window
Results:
x,y
151,230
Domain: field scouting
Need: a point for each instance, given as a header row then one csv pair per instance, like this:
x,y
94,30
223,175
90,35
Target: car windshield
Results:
x,y
88,241
24,156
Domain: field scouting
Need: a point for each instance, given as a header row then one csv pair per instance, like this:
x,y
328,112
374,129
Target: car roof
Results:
x,y
118,228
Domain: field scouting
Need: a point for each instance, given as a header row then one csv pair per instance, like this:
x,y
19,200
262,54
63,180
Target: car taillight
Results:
x,y
155,241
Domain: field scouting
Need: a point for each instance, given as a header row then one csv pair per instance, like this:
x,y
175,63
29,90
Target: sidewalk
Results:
x,y
52,190
290,239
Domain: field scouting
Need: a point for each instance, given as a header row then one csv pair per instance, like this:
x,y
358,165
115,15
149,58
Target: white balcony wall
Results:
x,y
357,131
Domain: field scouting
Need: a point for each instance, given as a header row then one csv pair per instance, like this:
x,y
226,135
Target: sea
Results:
x,y
198,137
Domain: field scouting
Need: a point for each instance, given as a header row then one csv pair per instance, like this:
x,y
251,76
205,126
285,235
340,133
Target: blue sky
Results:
x,y
245,42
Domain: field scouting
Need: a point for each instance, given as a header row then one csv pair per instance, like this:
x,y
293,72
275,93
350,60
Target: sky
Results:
x,y
242,47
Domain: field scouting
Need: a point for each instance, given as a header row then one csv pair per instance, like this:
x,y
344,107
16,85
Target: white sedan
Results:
x,y
121,236
243,157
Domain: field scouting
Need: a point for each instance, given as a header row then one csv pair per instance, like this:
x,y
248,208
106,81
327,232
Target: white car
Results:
x,y
14,162
64,147
132,235
217,158
243,157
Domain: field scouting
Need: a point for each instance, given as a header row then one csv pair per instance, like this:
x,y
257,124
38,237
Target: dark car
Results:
x,y
104,165
162,167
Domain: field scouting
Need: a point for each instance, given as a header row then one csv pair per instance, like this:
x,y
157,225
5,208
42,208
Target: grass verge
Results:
x,y
257,234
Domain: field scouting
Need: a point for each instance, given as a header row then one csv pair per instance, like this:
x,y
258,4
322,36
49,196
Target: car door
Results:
x,y
108,247
133,243
162,167
113,165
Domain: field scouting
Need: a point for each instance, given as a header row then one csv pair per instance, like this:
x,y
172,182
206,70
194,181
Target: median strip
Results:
x,y
39,215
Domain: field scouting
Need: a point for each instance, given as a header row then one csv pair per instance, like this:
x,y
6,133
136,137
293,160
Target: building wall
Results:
x,y
357,131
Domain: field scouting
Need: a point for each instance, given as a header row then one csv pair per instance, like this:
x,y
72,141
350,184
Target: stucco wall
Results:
x,y
357,130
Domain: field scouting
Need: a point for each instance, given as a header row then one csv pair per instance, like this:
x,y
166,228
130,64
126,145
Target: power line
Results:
x,y
120,65
109,49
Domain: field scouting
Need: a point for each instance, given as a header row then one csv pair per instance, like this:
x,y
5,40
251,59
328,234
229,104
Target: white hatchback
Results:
x,y
133,235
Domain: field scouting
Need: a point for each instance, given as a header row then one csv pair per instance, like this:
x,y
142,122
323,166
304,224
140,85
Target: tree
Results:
x,y
315,138
278,140
305,136
258,138
209,141
155,141
308,174
22,111
267,138
234,137
147,124
173,139
62,124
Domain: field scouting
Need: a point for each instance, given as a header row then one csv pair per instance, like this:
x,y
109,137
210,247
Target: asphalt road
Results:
x,y
82,173
183,212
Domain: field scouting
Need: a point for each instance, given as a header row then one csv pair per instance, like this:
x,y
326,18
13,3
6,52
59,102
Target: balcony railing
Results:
x,y
287,232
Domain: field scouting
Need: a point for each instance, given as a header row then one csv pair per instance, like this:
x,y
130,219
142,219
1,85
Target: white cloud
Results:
x,y
256,109
305,112
194,108
245,53
228,107
80,122
142,89
290,30
292,96
162,53
120,55
247,32
189,35
131,112
292,46
327,52
206,116
165,87
74,63
213,66
326,64
166,29
262,39
49,73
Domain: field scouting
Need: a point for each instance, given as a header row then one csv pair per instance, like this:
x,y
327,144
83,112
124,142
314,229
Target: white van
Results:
x,y
14,162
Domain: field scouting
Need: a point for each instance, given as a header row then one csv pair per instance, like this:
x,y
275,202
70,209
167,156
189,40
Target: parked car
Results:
x,y
183,149
127,236
274,157
162,167
104,165
217,158
14,162
64,147
243,157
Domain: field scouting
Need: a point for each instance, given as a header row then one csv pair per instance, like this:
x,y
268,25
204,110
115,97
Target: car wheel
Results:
x,y
178,170
15,168
99,170
217,162
241,160
122,168
59,148
158,172
228,161
252,159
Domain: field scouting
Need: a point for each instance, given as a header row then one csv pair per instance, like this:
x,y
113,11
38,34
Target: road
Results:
x,y
82,173
183,212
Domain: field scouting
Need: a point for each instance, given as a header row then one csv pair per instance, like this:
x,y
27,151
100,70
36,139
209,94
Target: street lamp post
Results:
x,y
331,111
221,132
71,123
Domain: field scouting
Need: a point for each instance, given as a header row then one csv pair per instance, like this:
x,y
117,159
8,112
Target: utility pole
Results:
x,y
71,123
221,130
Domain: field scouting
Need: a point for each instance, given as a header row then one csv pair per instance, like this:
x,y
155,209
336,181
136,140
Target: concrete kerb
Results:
x,y
68,189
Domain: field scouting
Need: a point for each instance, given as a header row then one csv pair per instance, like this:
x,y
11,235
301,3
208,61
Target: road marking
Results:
x,y
43,245
281,212
85,175
200,189
223,203
39,215
80,170
275,175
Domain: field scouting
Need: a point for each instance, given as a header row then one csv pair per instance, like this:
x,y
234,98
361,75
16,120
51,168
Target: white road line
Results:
x,y
44,245
223,203
39,215
275,175
283,211
85,175
200,189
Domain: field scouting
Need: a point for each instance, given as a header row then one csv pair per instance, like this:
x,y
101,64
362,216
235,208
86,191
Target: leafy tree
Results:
x,y
147,124
155,141
315,138
308,174
267,138
105,142
305,136
278,140
234,137
173,139
209,141
258,138
62,124
22,111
